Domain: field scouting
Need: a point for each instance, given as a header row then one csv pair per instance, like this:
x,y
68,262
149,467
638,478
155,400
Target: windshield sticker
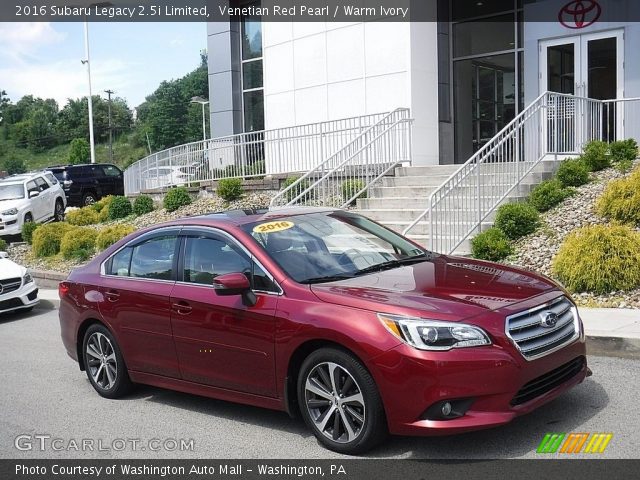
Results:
x,y
272,227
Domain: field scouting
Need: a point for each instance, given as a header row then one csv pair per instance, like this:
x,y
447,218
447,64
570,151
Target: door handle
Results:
x,y
112,295
183,308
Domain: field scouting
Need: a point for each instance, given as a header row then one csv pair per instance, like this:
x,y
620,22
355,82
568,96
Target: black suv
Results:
x,y
86,184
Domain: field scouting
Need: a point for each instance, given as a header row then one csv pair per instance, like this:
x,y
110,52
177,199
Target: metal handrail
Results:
x,y
367,165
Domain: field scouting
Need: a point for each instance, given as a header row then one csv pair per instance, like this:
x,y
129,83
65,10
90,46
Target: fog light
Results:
x,y
446,409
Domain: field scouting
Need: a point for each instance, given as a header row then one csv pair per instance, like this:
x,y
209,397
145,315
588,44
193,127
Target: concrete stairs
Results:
x,y
396,201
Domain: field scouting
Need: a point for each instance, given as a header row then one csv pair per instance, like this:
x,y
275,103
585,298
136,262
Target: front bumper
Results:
x,y
491,378
10,225
25,297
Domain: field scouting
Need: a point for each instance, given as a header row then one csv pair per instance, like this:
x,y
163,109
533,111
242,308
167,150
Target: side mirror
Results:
x,y
33,193
235,284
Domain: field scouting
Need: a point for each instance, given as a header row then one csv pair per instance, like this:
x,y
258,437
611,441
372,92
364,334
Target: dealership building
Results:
x,y
464,75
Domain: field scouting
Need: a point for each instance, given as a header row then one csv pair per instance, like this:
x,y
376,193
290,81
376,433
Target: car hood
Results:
x,y
9,269
7,204
448,287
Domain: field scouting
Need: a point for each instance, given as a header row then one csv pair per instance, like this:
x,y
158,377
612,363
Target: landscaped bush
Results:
x,y
107,236
3,245
623,153
142,204
119,207
230,189
27,231
351,187
83,216
78,243
297,190
621,200
599,259
492,245
47,238
517,219
573,173
102,207
176,198
596,156
547,195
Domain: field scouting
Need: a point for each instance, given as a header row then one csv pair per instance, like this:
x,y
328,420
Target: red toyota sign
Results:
x,y
580,13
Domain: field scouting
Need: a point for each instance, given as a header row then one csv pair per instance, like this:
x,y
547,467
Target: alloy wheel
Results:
x,y
335,402
101,361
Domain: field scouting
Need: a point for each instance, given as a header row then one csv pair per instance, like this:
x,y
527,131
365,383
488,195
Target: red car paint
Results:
x,y
187,338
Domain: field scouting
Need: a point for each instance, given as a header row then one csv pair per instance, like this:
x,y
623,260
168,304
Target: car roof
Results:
x,y
21,177
62,167
245,216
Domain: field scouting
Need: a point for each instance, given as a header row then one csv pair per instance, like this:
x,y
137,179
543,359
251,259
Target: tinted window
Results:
x,y
42,185
111,171
154,258
52,180
32,187
120,262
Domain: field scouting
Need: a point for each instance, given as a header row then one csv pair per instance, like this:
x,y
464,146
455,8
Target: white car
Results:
x,y
30,197
18,291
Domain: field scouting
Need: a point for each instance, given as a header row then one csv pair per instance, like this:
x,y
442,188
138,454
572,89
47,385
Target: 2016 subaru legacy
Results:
x,y
327,314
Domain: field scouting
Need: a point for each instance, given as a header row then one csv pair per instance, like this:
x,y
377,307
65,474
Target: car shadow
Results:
x,y
10,317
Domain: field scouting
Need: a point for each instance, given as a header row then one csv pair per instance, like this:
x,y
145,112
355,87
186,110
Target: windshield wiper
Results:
x,y
329,278
395,263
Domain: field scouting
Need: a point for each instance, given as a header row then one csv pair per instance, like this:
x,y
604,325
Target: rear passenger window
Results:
x,y
52,180
154,258
111,171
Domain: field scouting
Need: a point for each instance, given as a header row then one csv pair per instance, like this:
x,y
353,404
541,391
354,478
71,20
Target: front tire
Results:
x,y
340,402
89,198
104,363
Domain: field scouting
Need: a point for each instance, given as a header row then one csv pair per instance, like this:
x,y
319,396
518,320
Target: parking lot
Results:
x,y
44,394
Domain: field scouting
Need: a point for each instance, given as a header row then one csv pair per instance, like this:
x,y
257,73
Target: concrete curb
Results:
x,y
47,279
613,347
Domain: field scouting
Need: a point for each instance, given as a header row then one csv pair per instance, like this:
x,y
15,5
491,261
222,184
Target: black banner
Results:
x,y
349,469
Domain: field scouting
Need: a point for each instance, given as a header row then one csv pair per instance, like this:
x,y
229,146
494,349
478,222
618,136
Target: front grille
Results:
x,y
548,381
11,303
10,285
534,337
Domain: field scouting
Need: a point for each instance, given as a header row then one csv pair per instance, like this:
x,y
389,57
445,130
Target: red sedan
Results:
x,y
325,313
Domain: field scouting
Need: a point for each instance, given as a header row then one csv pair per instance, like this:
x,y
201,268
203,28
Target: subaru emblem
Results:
x,y
548,319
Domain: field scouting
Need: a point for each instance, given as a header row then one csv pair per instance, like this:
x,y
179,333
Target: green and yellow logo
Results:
x,y
574,443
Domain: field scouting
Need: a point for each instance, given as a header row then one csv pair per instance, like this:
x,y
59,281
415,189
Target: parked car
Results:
x,y
31,197
325,313
18,292
86,184
160,177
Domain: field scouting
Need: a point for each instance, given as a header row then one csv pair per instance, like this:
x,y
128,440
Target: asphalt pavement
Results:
x,y
45,401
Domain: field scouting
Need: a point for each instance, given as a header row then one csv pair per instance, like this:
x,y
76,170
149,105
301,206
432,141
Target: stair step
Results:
x,y
422,202
391,214
426,171
422,228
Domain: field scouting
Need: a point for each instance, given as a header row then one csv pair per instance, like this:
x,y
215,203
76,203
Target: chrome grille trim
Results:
x,y
533,341
10,285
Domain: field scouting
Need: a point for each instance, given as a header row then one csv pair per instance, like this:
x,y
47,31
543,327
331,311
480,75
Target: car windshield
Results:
x,y
11,192
330,246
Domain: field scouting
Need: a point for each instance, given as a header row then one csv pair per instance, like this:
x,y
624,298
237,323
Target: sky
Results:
x,y
44,59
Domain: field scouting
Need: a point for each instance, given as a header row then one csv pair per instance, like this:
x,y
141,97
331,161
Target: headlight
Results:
x,y
434,335
27,279
11,211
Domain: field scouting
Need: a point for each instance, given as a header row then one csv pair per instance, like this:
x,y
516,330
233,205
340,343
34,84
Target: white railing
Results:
x,y
348,173
252,154
553,126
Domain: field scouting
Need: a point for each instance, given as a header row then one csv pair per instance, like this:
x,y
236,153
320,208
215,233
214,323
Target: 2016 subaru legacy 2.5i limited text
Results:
x,y
327,314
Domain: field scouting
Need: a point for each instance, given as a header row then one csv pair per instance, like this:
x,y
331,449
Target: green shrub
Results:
x,y
107,236
621,200
599,259
79,151
297,190
176,198
596,156
119,207
230,189
573,173
547,195
517,219
624,150
78,243
142,204
3,245
83,216
27,231
47,238
102,207
492,245
351,187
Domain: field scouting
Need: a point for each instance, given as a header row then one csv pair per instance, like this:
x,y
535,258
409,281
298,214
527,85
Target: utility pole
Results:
x,y
87,62
109,93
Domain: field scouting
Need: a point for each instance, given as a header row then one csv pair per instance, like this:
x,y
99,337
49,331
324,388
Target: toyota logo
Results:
x,y
548,319
580,13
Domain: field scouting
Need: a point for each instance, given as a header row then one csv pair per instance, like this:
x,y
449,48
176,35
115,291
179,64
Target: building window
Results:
x,y
252,80
487,71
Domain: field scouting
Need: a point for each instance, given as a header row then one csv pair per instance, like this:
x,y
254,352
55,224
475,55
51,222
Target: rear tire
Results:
x,y
104,363
58,212
340,402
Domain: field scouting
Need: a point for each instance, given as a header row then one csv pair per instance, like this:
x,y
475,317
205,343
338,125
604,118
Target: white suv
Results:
x,y
30,197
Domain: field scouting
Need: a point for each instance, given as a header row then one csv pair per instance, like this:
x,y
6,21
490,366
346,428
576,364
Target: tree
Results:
x,y
14,165
79,151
